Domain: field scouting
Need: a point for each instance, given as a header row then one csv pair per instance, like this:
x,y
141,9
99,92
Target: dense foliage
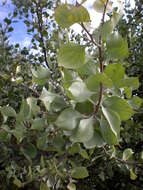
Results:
x,y
71,113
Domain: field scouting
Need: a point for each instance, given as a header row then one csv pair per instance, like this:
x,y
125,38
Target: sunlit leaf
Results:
x,y
107,133
120,106
127,154
93,82
67,15
117,47
136,102
41,75
71,186
115,72
71,56
52,101
133,176
113,120
100,4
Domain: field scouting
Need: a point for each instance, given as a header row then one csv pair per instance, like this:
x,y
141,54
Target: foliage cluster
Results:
x,y
70,114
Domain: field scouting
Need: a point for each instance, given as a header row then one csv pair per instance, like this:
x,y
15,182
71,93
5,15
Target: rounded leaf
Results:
x,y
117,47
79,173
68,119
67,15
71,56
120,106
84,132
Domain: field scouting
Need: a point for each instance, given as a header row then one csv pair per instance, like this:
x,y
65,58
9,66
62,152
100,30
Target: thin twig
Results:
x,y
97,106
90,35
85,29
121,160
39,17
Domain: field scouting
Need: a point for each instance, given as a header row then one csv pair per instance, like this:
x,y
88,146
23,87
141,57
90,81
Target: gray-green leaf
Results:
x,y
71,56
68,119
79,173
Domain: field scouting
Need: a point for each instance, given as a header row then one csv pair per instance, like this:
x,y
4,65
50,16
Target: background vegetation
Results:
x,y
71,115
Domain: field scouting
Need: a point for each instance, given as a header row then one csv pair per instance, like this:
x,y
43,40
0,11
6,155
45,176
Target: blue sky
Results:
x,y
19,35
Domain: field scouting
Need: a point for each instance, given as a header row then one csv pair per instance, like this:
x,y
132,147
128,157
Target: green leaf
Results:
x,y
84,153
42,142
71,56
133,176
106,29
99,6
117,15
24,112
17,182
58,104
67,15
30,151
132,82
74,149
43,186
93,82
84,132
88,69
19,132
113,120
71,186
128,92
127,154
8,111
85,108
68,119
19,80
79,173
34,109
95,141
107,133
18,69
117,47
67,77
7,21
38,124
79,91
136,102
4,136
47,98
115,72
58,142
120,106
52,101
41,75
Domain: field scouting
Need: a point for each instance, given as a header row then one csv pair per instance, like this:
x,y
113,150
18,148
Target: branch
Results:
x,y
97,106
85,29
121,160
41,34
90,35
